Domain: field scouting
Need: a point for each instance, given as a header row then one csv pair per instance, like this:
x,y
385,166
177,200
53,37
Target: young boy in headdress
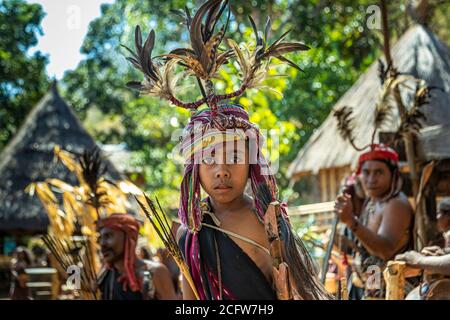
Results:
x,y
232,247
224,239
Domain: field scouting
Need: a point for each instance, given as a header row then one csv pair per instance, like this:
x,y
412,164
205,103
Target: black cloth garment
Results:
x,y
241,277
111,289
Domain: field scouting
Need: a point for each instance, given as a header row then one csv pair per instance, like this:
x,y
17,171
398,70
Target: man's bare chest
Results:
x,y
374,215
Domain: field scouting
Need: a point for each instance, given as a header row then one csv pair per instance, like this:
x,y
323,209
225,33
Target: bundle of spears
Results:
x,y
73,256
158,219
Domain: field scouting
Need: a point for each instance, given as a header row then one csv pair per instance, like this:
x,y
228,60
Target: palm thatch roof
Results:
x,y
29,158
418,52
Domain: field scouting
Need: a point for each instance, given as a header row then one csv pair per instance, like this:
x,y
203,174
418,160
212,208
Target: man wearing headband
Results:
x,y
125,276
384,227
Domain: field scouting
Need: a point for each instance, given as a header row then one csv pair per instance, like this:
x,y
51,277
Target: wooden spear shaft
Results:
x,y
409,144
326,259
386,35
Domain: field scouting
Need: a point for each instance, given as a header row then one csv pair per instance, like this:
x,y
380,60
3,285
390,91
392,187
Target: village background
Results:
x,y
42,107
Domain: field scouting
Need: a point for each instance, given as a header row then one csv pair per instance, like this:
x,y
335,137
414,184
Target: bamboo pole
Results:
x,y
409,138
323,185
344,290
386,36
333,185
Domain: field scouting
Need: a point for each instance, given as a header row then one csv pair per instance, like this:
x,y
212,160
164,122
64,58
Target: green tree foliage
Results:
x,y
342,48
23,79
145,124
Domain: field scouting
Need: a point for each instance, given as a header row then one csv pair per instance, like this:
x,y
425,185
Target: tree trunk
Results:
x,y
419,227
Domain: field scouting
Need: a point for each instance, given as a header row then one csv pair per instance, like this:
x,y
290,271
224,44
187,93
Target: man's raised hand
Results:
x,y
343,207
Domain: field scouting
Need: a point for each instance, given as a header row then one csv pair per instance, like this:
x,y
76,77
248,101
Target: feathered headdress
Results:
x,y
205,57
202,60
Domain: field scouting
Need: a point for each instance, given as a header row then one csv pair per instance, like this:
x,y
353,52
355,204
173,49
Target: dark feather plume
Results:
x,y
142,58
277,49
382,113
412,122
203,58
414,118
93,170
345,125
382,71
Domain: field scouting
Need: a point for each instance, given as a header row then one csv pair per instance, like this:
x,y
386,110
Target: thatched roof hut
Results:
x,y
326,158
29,158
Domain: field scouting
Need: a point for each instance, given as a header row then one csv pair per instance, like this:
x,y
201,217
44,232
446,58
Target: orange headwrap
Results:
x,y
130,227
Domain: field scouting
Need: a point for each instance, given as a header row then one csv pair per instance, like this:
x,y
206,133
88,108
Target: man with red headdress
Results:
x,y
383,229
125,276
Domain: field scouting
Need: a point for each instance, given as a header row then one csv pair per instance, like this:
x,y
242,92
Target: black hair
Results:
x,y
301,266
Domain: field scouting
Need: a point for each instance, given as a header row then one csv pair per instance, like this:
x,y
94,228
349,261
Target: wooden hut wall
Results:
x,y
330,181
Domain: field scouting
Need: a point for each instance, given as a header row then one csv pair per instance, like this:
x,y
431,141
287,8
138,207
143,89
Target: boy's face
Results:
x,y
224,172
